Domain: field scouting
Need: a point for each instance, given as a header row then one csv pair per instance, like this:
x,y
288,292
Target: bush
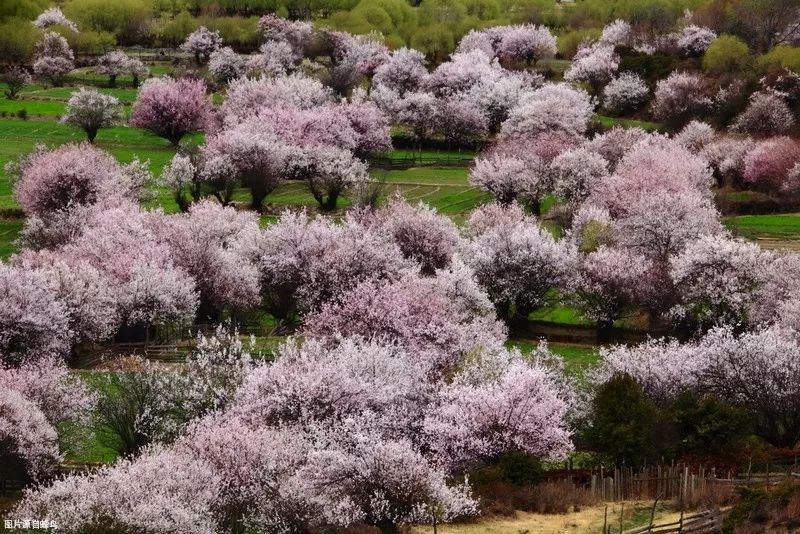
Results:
x,y
127,20
172,32
240,32
779,58
709,425
23,9
651,68
90,41
623,421
569,42
726,55
17,37
22,114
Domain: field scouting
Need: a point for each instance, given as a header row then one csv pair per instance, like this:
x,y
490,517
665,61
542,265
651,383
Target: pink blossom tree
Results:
x,y
201,43
274,58
34,321
716,279
770,161
695,136
608,283
15,78
423,235
461,121
403,72
137,69
625,93
171,108
247,97
54,17
518,265
52,58
425,315
576,172
694,40
51,181
680,97
295,32
225,65
257,154
615,143
527,43
462,72
726,155
163,490
594,65
217,247
353,57
758,371
147,286
88,300
91,110
399,485
113,64
28,438
664,368
518,409
765,115
552,107
617,33
305,262
35,398
497,95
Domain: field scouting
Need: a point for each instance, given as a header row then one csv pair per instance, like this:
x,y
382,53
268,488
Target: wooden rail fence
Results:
x,y
679,482
702,522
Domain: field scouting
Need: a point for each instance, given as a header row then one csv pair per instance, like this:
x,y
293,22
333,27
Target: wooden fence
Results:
x,y
680,483
415,160
705,521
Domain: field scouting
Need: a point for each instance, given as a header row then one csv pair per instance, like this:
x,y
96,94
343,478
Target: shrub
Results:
x,y
91,110
766,114
680,97
171,108
622,421
15,79
625,93
726,55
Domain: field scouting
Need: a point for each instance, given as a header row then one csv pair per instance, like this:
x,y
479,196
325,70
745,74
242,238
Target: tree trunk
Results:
x,y
91,133
112,80
536,209
387,527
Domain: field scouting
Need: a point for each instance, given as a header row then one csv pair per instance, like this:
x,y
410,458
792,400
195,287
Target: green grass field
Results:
x,y
774,226
577,358
609,122
9,230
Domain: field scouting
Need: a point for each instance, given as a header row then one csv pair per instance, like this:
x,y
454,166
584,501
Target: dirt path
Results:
x,y
588,521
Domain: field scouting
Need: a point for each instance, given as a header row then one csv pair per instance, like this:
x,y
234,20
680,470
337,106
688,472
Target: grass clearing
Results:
x,y
577,358
587,520
610,122
774,225
9,230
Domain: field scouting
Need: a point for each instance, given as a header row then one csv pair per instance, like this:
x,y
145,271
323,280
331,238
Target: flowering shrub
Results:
x,y
52,58
770,161
91,110
625,93
766,114
201,43
552,107
171,108
680,97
